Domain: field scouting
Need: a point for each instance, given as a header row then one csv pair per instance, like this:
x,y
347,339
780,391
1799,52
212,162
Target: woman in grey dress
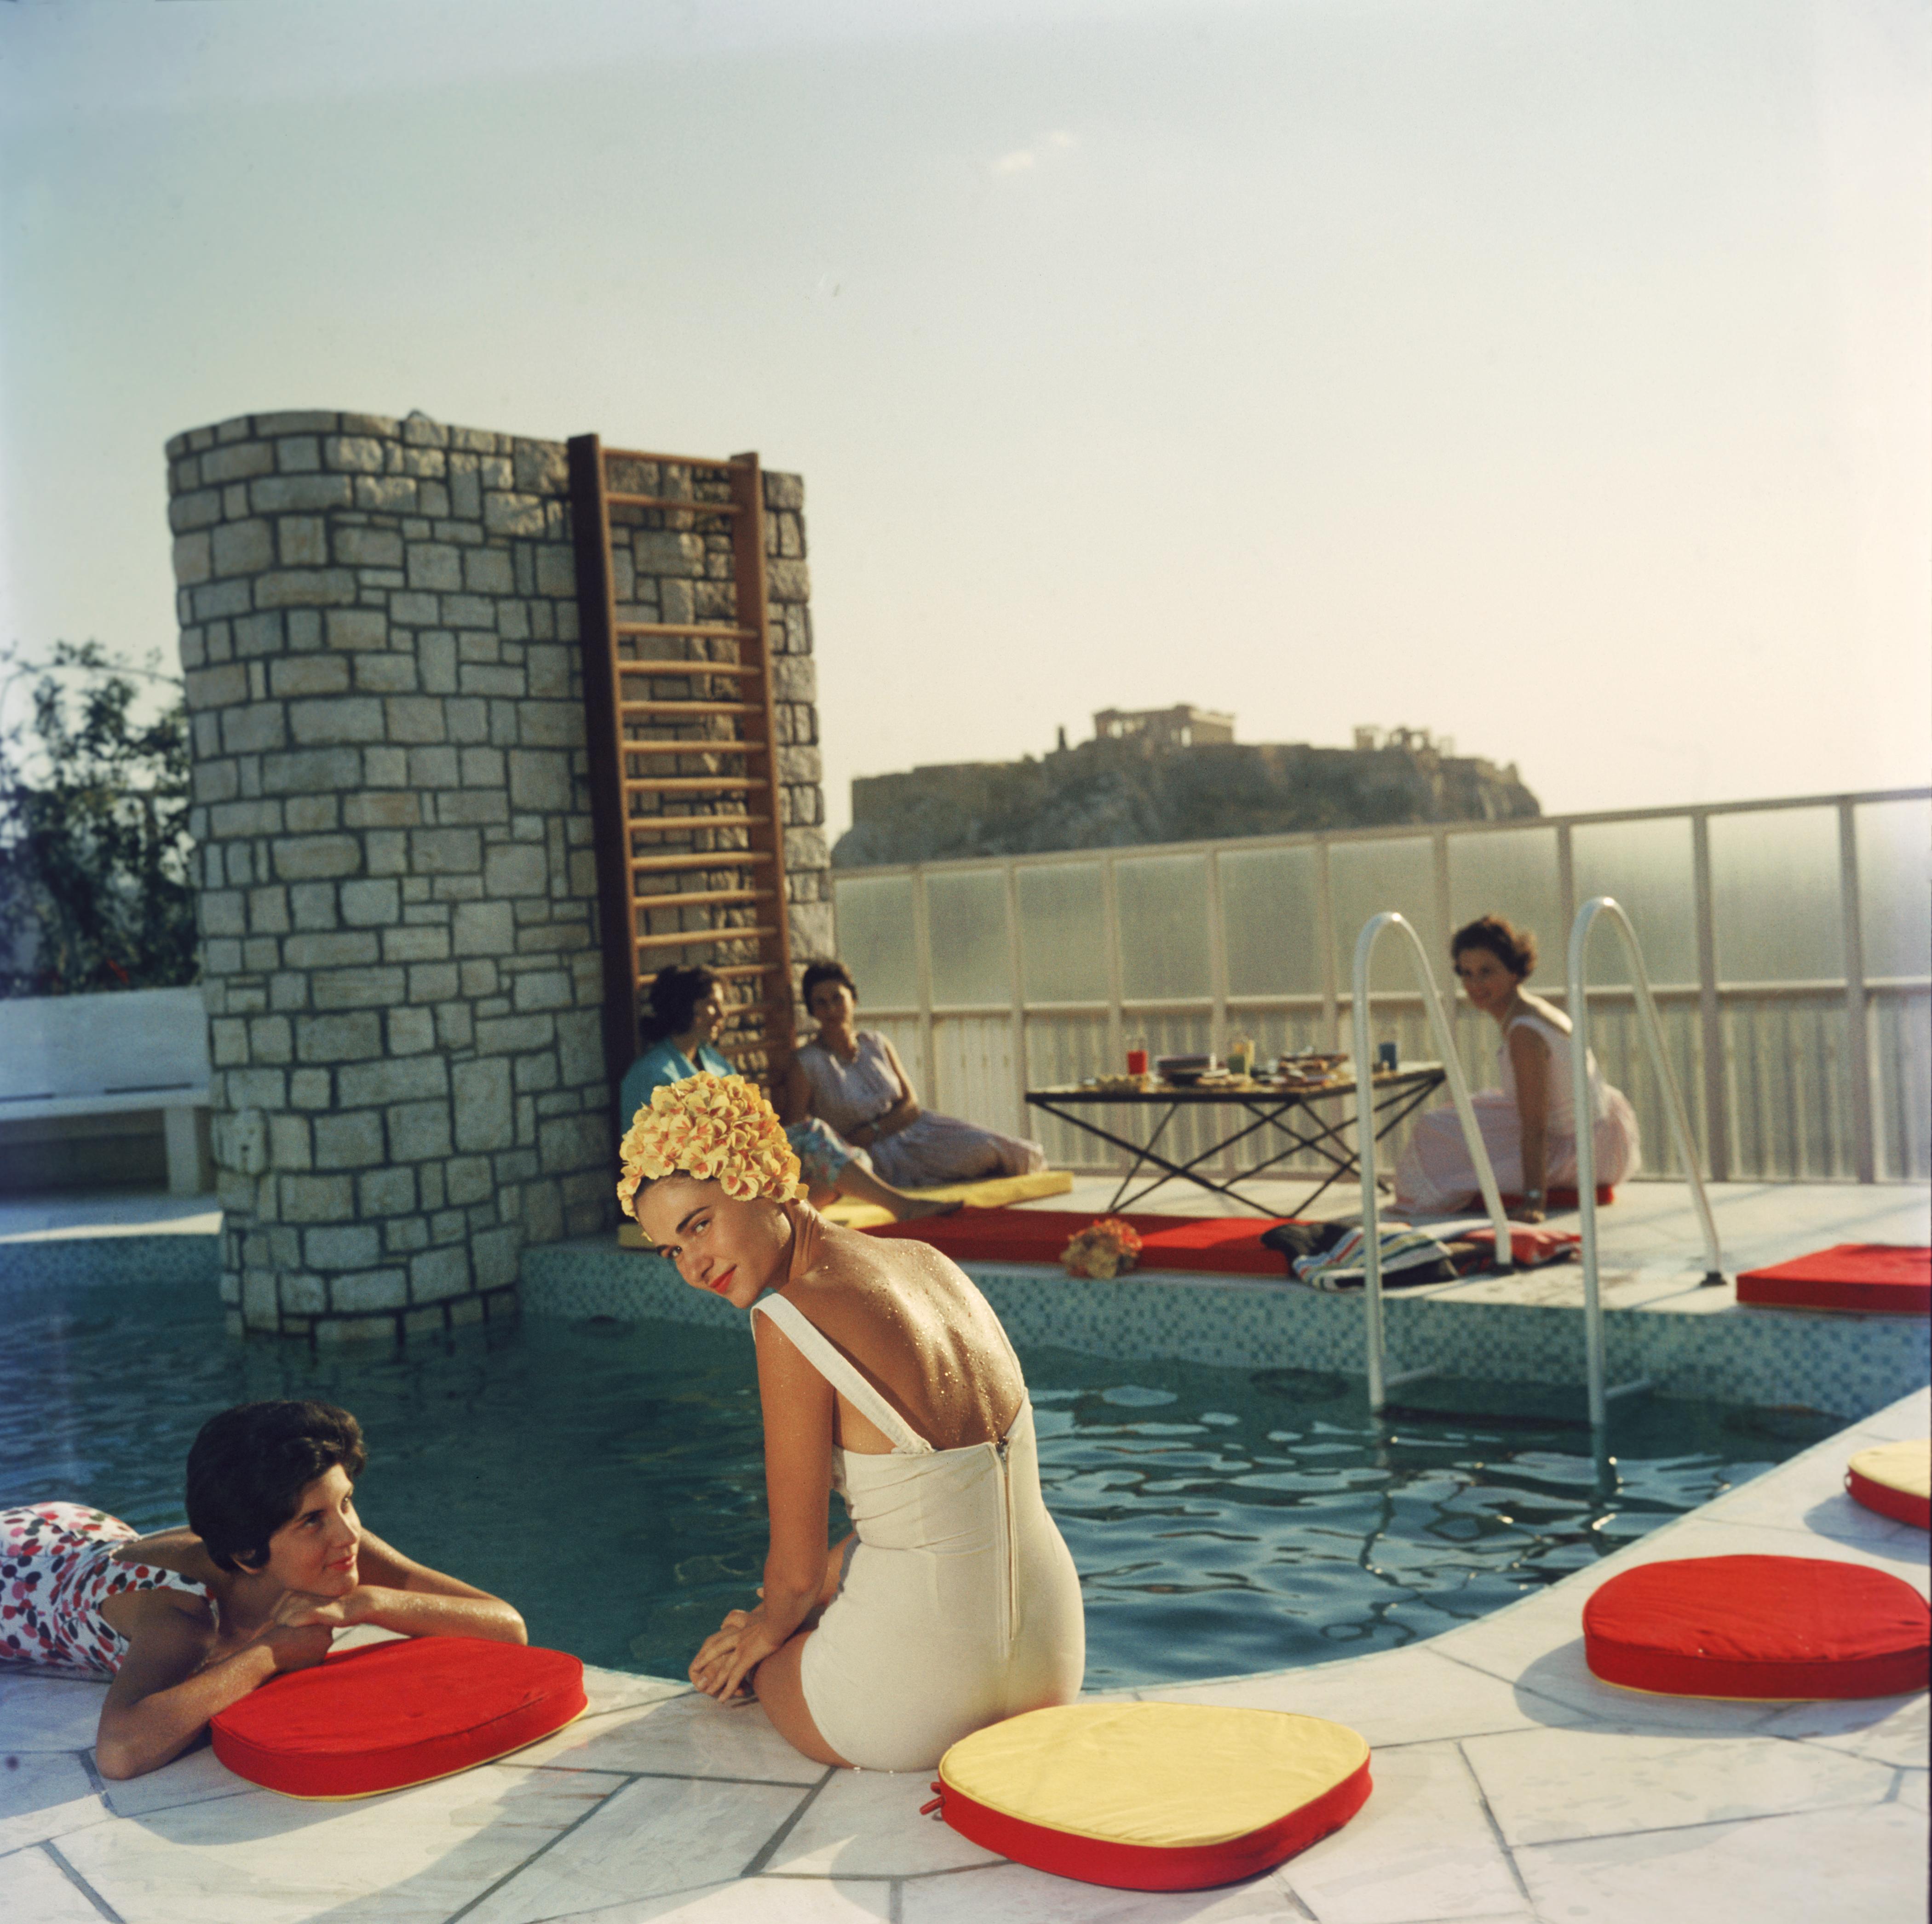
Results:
x,y
853,1080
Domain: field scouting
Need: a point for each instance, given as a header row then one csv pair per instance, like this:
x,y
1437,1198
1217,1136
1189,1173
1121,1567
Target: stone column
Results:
x,y
398,894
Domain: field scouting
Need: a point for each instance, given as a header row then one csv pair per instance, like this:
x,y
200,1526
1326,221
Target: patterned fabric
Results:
x,y
56,1569
928,1153
822,1154
1344,1266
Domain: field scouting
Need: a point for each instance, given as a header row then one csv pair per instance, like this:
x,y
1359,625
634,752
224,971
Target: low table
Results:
x,y
1288,1112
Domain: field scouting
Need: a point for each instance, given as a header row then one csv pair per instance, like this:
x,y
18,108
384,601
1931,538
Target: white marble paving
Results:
x,y
1543,1787
866,1824
37,1888
1398,1697
191,1779
1421,1847
50,1713
43,1794
418,1854
686,1735
1867,1866
1511,1787
652,1838
1892,1730
1012,1892
757,1901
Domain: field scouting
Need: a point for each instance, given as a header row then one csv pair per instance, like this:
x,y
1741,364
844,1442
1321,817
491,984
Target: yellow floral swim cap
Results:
x,y
710,1126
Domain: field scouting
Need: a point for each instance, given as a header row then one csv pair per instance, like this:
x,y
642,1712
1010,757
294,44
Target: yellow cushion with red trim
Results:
x,y
1153,1796
1894,1479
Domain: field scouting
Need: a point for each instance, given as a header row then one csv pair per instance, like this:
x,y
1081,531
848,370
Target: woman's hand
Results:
x,y
300,1629
730,1653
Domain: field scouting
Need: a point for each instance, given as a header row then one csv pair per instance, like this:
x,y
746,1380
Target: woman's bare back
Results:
x,y
918,1330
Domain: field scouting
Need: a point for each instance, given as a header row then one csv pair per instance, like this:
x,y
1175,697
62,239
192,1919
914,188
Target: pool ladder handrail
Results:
x,y
1380,1382
1577,995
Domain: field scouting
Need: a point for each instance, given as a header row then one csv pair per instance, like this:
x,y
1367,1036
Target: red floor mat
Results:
x,y
1225,1245
1890,1279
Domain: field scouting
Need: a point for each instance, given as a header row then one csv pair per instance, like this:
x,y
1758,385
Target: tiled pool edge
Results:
x,y
41,1261
1848,1366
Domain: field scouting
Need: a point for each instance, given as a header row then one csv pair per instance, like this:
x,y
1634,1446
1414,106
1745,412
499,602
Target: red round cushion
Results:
x,y
396,1713
1776,1627
1152,1797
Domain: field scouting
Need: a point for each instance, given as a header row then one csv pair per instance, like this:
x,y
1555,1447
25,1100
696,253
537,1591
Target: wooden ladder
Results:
x,y
684,777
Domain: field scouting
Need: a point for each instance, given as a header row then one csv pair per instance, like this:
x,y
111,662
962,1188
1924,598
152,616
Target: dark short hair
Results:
x,y
675,992
816,972
250,1465
1514,948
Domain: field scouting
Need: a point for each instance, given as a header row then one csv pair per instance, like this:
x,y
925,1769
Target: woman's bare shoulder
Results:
x,y
1548,1013
180,1550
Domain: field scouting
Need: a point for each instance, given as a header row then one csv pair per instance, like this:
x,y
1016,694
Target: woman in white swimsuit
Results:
x,y
884,1373
1529,1125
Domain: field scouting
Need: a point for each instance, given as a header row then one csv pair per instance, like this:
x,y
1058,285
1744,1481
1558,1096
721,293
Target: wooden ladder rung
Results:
x,y
741,969
697,897
690,784
718,631
669,460
695,938
688,670
611,500
739,1010
674,709
695,747
634,824
718,858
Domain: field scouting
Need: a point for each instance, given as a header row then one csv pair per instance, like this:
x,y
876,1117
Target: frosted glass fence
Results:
x,y
1789,944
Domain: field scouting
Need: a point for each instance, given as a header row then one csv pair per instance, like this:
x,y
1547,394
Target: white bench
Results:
x,y
144,1049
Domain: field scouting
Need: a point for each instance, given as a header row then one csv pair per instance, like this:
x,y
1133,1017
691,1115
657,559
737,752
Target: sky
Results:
x,y
1555,377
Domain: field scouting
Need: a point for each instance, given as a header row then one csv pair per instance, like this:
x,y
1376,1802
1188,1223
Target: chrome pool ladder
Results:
x,y
1380,1382
1579,1011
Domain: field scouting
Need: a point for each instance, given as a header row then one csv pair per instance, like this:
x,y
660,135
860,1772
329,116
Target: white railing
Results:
x,y
1380,1382
1578,1001
1786,941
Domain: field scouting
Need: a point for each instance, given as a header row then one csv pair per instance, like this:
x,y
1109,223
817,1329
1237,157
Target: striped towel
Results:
x,y
1343,1267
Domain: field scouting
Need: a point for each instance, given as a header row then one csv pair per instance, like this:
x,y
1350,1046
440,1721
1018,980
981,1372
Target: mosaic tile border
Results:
x,y
1848,1367
58,1261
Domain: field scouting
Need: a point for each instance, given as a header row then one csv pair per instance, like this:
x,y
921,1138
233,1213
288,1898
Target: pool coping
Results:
x,y
1510,1784
1689,1341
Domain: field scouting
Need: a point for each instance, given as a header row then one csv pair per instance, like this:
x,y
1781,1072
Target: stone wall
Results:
x,y
397,891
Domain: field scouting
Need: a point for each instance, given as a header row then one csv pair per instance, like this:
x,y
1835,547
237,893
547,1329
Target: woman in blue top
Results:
x,y
688,1010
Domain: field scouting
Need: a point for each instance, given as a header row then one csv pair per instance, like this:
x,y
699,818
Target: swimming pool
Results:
x,y
607,1476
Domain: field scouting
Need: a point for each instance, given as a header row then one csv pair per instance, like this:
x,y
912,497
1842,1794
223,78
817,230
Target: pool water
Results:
x,y
607,1477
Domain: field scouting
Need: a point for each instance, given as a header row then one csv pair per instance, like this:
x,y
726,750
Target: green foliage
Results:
x,y
95,887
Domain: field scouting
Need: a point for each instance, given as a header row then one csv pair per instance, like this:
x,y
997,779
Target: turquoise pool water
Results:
x,y
607,1478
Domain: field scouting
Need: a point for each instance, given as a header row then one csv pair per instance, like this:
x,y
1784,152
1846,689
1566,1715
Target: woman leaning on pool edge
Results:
x,y
274,1562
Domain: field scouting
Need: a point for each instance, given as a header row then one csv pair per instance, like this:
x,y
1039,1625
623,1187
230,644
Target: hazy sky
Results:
x,y
1554,376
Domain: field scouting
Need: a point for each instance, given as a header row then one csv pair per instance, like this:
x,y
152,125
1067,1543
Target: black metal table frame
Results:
x,y
1397,1098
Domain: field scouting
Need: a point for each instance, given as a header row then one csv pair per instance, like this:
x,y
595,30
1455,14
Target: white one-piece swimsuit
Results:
x,y
960,1604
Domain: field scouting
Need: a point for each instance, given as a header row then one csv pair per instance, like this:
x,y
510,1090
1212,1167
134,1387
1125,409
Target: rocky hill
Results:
x,y
1114,794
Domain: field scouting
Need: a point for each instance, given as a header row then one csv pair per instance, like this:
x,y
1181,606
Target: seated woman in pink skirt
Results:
x,y
274,1562
1529,1125
852,1079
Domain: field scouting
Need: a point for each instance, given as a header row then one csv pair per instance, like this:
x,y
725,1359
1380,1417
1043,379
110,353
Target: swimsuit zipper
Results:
x,y
1001,1450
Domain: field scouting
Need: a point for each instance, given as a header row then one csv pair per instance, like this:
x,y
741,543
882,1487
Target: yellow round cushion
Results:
x,y
1894,1479
1153,1796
